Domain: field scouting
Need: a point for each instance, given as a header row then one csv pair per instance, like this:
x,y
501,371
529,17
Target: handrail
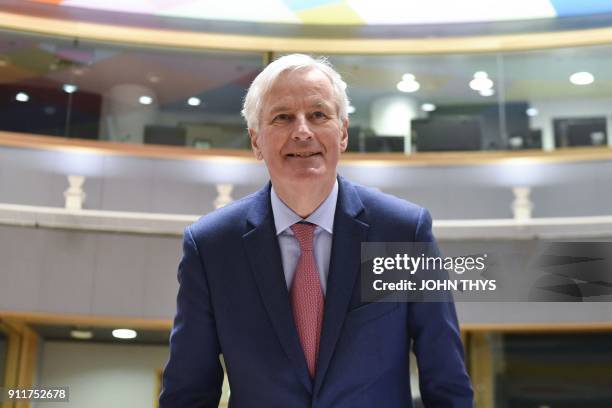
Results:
x,y
174,224
574,154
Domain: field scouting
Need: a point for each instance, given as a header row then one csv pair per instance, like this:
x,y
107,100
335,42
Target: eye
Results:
x,y
281,117
319,115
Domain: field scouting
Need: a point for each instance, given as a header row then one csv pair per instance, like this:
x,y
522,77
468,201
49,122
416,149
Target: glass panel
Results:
x,y
439,110
554,370
89,90
561,113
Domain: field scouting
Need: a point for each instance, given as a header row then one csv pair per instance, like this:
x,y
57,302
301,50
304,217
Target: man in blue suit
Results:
x,y
271,281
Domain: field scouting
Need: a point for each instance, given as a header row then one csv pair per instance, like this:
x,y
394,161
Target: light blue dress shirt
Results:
x,y
322,217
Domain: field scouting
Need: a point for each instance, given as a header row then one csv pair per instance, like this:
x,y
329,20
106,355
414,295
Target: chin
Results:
x,y
305,177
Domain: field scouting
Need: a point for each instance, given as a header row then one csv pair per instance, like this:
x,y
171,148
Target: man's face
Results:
x,y
300,136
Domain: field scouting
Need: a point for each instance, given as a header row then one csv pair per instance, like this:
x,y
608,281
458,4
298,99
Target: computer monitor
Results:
x,y
165,135
384,144
447,133
580,131
354,139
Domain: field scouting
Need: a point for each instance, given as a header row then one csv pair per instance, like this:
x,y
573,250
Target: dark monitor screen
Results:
x,y
165,135
354,139
447,133
580,131
384,144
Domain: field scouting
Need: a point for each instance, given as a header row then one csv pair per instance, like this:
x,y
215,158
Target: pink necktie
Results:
x,y
307,296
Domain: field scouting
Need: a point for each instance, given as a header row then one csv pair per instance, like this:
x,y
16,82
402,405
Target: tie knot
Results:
x,y
304,232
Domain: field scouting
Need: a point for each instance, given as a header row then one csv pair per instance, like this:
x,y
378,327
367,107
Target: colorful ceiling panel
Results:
x,y
349,12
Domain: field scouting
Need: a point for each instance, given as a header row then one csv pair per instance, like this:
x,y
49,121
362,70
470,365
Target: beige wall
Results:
x,y
102,375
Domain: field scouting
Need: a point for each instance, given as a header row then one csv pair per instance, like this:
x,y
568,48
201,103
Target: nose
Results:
x,y
302,129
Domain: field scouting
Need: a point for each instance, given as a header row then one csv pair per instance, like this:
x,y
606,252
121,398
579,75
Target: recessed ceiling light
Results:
x,y
81,334
532,112
22,97
124,333
408,86
481,83
69,88
408,83
428,107
145,100
582,78
487,92
350,109
193,101
480,75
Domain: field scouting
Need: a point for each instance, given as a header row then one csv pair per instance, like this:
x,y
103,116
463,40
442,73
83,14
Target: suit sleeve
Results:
x,y
193,375
443,379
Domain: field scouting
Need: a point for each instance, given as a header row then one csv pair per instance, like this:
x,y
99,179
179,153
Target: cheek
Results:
x,y
335,141
272,148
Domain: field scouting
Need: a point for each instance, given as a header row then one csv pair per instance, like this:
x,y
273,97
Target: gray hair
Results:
x,y
262,84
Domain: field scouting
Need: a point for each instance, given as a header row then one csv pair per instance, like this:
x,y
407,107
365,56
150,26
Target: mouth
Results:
x,y
303,154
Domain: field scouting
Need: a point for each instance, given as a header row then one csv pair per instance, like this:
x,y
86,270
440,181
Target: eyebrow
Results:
x,y
318,104
276,109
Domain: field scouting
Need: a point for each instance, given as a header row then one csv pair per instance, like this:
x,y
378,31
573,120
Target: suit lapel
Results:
x,y
265,259
349,232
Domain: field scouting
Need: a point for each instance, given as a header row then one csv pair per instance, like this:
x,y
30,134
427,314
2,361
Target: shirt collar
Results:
x,y
323,216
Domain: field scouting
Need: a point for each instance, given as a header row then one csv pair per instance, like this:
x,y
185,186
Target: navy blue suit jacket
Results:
x,y
233,300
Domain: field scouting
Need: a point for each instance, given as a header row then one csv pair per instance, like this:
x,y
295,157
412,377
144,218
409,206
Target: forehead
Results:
x,y
300,83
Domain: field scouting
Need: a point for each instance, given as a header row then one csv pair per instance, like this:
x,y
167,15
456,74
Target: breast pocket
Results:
x,y
369,312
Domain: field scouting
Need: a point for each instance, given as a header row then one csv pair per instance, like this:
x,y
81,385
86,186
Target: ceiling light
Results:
x,y
487,92
479,84
480,75
193,101
408,83
428,107
408,86
81,334
350,109
69,88
145,100
22,97
532,112
582,78
124,333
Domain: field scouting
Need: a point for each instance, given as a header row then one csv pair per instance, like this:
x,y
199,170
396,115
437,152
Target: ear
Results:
x,y
255,144
344,135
